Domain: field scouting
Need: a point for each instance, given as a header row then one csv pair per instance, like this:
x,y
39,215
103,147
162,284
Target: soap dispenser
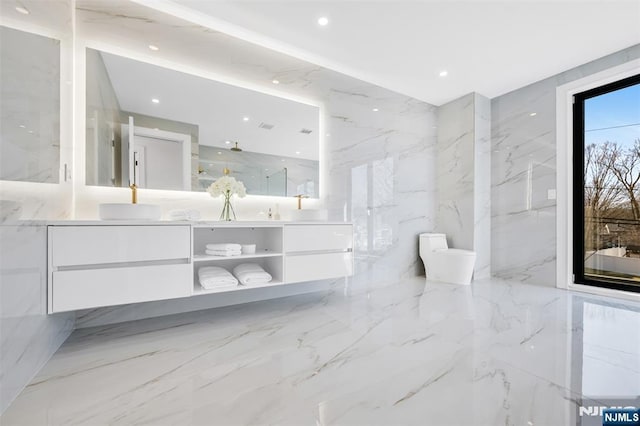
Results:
x,y
276,215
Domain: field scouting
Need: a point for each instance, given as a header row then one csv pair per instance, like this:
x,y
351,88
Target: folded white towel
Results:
x,y
223,252
224,246
193,214
211,277
181,214
178,214
251,273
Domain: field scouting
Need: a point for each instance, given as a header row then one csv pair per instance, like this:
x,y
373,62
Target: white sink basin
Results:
x,y
126,211
311,215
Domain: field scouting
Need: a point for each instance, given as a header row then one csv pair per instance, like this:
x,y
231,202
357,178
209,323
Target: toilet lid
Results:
x,y
457,252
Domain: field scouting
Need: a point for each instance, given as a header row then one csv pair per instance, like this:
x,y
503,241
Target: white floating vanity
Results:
x,y
94,264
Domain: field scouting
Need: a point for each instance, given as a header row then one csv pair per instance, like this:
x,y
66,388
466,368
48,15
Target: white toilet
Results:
x,y
444,264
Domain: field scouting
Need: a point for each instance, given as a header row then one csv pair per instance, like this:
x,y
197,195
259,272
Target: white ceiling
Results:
x,y
218,109
490,47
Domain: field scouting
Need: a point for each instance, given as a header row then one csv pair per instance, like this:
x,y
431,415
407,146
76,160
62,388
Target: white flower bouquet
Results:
x,y
227,186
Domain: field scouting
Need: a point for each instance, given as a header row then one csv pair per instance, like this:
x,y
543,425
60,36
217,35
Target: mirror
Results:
x,y
165,129
29,107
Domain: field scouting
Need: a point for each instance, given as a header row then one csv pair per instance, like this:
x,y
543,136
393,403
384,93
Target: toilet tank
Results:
x,y
430,242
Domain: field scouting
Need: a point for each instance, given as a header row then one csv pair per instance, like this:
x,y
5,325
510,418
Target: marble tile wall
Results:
x,y
523,217
29,106
28,336
463,177
482,186
455,180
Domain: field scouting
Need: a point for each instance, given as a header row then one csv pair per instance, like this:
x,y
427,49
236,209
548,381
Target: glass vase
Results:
x,y
228,213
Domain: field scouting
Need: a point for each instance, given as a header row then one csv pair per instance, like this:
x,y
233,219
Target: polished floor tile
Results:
x,y
495,353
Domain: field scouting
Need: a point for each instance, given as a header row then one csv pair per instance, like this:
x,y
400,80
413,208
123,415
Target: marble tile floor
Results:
x,y
495,353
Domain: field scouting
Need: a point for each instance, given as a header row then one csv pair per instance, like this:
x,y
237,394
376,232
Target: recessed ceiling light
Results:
x,y
154,47
30,131
375,110
443,73
22,126
155,101
227,142
219,153
323,21
275,81
245,118
282,160
533,114
298,152
22,10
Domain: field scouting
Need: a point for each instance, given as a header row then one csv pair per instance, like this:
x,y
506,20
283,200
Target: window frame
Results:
x,y
578,185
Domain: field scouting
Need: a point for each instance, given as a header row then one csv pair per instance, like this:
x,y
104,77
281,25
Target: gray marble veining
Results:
x,y
363,353
37,94
523,143
463,179
28,336
482,186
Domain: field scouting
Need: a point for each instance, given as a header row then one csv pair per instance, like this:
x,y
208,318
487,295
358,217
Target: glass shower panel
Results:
x,y
276,183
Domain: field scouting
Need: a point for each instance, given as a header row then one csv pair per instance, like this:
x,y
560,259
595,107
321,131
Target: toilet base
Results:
x,y
452,270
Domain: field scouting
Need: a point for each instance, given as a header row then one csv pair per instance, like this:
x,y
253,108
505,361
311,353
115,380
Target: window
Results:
x,y
606,125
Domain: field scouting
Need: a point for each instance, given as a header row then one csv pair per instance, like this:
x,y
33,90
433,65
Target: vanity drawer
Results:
x,y
308,267
91,288
299,238
92,245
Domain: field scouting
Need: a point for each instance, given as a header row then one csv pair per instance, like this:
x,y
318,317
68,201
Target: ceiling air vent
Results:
x,y
305,131
266,126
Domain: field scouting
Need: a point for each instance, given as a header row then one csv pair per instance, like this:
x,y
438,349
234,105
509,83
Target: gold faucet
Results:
x,y
300,197
134,193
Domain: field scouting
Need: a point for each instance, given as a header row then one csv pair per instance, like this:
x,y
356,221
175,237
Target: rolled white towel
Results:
x,y
251,273
211,277
224,247
223,252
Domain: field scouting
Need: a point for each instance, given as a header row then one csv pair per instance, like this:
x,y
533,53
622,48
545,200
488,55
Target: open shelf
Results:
x,y
208,257
199,290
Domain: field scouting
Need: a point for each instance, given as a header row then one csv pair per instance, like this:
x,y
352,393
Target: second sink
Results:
x,y
309,215
127,211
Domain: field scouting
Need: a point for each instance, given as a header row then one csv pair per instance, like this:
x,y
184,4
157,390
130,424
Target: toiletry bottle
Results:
x,y
269,215
276,215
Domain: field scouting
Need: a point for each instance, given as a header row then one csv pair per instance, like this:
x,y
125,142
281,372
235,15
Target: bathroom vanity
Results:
x,y
95,263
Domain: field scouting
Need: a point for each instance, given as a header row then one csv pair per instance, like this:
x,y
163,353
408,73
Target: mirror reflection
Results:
x,y
29,106
164,129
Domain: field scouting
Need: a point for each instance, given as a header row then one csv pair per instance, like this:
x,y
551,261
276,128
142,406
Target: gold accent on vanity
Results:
x,y
134,193
300,197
